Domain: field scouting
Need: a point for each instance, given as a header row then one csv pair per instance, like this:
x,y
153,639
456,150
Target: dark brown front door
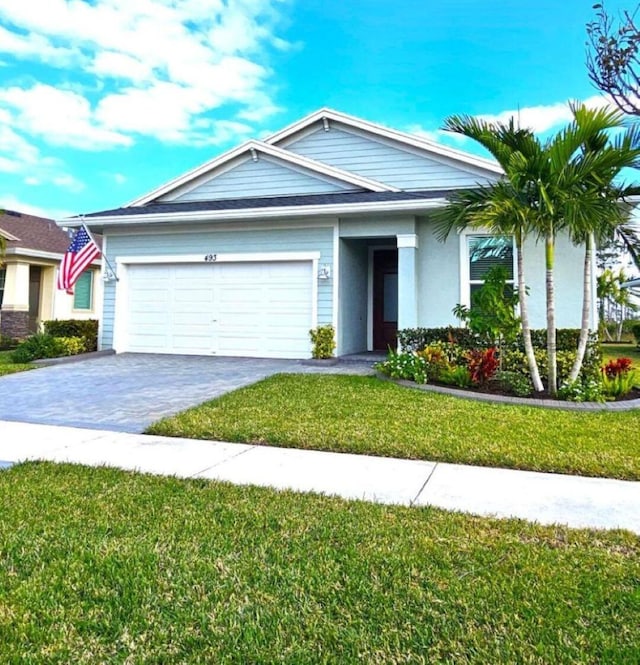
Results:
x,y
385,299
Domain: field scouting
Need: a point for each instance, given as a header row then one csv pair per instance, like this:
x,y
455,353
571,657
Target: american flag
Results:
x,y
82,251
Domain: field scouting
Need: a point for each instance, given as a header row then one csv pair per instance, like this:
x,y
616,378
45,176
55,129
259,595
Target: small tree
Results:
x,y
492,315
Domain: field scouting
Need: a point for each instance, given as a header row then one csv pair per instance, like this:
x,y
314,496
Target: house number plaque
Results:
x,y
210,258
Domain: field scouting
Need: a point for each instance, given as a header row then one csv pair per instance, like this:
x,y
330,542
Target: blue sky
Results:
x,y
102,101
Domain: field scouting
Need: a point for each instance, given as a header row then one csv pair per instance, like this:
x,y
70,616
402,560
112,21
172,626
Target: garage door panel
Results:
x,y
259,309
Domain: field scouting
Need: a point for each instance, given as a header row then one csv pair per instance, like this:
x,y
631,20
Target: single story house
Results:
x,y
28,294
324,222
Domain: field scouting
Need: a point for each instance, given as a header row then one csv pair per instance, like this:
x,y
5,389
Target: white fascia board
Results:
x,y
39,254
36,254
401,137
190,175
411,205
8,236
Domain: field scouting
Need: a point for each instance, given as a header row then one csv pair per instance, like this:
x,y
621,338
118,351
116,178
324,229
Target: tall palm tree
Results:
x,y
592,197
505,207
564,184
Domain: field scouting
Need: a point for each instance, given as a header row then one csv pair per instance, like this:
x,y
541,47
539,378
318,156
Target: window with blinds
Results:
x,y
3,274
82,291
486,252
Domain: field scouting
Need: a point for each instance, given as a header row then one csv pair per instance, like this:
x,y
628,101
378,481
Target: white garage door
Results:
x,y
261,309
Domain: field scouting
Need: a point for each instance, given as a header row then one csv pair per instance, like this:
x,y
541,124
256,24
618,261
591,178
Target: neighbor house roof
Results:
x,y
32,235
29,232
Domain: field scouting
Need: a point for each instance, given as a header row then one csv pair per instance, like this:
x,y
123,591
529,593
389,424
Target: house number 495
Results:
x,y
210,258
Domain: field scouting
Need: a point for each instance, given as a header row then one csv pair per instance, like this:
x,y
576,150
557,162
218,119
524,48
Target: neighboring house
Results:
x,y
28,294
325,222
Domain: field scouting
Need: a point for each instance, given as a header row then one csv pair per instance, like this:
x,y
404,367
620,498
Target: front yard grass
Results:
x,y
358,414
7,366
612,351
103,566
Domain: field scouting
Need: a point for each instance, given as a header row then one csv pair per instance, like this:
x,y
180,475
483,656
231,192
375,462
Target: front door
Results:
x,y
385,299
35,277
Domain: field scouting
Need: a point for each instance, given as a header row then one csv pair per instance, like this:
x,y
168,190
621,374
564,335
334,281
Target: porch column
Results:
x,y
14,321
407,280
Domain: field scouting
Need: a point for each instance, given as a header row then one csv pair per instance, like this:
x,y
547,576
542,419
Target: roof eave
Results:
x,y
246,214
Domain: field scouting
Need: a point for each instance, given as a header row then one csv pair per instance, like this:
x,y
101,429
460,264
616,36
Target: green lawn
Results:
x,y
101,566
366,415
7,366
611,351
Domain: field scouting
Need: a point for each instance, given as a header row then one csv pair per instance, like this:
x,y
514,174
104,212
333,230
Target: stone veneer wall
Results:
x,y
14,324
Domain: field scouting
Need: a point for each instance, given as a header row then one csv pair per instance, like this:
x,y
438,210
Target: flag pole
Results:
x,y
104,256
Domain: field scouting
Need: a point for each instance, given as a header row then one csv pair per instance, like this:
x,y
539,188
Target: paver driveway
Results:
x,y
128,392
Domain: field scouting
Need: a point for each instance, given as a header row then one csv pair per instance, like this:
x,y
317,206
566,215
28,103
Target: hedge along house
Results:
x,y
28,294
325,222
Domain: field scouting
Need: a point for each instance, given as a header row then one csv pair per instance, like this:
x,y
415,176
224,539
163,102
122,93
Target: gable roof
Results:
x,y
28,232
193,178
404,138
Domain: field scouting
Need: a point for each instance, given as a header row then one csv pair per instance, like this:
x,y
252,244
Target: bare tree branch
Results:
x,y
613,57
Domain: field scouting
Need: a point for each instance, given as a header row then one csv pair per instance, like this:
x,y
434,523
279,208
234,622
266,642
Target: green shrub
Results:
x,y
416,339
43,345
516,361
87,329
582,390
408,366
7,342
515,383
457,376
635,329
70,346
37,346
323,339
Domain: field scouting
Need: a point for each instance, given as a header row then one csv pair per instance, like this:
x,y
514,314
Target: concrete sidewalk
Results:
x,y
541,497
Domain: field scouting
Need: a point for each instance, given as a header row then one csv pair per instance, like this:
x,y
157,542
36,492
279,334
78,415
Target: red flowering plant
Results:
x,y
616,367
482,364
618,378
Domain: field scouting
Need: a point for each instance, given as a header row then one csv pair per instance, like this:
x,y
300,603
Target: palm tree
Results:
x,y
591,198
563,184
505,207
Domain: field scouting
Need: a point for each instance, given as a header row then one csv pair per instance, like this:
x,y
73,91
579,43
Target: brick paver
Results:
x,y
128,392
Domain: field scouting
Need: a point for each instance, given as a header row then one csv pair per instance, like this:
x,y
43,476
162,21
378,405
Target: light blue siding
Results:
x,y
439,275
266,177
353,296
208,240
380,161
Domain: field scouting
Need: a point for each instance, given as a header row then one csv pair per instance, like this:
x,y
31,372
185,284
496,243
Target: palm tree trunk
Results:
x,y
586,310
524,318
552,363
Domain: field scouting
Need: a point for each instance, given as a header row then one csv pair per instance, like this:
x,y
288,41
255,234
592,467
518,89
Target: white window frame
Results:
x,y
465,277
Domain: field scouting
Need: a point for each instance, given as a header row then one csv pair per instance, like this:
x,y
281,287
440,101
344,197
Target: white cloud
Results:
x,y
161,67
543,118
119,178
11,202
436,135
61,117
35,45
21,158
120,65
